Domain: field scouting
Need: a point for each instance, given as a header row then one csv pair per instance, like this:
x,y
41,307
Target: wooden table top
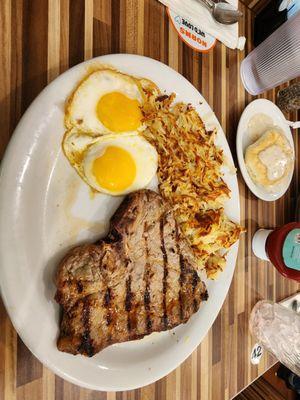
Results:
x,y
41,39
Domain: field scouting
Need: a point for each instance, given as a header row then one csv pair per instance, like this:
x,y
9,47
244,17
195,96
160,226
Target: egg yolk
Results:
x,y
118,112
115,169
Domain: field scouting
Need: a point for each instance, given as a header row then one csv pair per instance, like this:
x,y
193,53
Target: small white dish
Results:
x,y
244,139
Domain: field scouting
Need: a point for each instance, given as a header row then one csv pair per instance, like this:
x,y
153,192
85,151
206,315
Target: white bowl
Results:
x,y
243,140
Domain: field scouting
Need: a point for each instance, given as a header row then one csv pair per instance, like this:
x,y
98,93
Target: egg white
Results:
x,y
82,149
81,109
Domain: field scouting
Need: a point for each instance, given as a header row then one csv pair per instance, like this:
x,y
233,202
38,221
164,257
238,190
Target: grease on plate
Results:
x,y
75,224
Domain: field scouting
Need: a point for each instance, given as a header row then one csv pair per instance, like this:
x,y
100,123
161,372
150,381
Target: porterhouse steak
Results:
x,y
140,279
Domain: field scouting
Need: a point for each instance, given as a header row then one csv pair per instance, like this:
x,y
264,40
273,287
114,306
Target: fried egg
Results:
x,y
112,164
106,102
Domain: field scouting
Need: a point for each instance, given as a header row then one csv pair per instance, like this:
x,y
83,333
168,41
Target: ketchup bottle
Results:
x,y
281,246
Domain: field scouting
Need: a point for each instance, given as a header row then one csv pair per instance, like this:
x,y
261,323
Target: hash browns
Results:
x,y
190,176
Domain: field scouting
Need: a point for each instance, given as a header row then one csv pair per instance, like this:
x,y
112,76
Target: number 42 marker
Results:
x,y
256,354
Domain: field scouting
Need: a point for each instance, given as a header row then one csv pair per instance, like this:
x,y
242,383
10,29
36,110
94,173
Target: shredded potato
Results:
x,y
190,177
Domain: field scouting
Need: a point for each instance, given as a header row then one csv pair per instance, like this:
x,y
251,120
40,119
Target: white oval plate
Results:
x,y
45,208
243,140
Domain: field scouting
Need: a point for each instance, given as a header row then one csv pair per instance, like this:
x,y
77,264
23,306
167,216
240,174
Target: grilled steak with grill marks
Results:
x,y
140,279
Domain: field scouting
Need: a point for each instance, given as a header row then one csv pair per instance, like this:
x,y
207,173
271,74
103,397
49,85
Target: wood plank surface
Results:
x,y
41,39
256,5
